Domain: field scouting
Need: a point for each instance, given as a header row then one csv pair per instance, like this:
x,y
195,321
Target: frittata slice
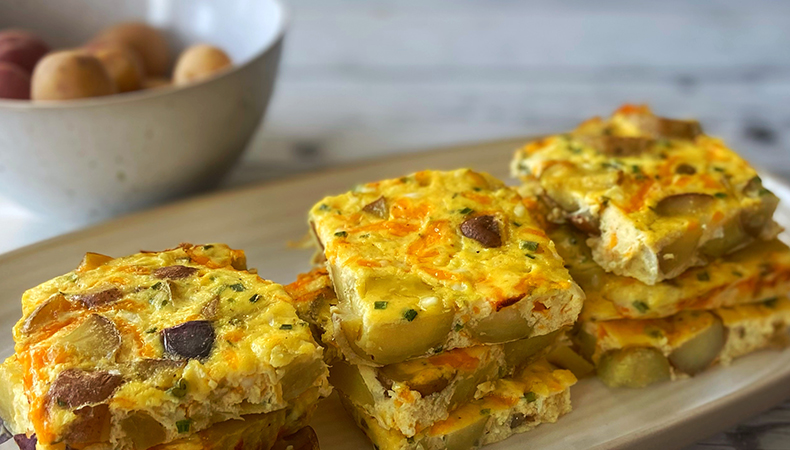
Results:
x,y
655,196
167,342
412,395
539,394
636,353
752,274
438,260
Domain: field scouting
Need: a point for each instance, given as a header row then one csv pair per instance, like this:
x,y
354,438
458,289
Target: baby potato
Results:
x,y
14,82
148,42
70,74
199,62
156,82
22,48
122,64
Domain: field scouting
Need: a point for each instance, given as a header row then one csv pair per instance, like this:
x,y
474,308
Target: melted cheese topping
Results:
x,y
397,254
261,355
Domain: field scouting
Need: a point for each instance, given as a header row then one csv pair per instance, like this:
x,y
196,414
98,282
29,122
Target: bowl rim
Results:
x,y
142,95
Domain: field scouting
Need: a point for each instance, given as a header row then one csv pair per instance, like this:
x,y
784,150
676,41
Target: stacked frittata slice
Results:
x,y
670,235
183,348
440,297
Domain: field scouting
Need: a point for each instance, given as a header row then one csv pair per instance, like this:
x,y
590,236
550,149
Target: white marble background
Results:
x,y
361,79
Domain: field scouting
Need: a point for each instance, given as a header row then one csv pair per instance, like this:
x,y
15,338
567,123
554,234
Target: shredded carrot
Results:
x,y
458,359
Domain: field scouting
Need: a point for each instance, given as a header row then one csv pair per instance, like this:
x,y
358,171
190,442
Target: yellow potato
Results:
x,y
70,74
123,65
148,42
156,82
199,62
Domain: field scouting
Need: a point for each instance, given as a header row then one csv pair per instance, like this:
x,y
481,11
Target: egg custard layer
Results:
x,y
655,196
413,395
540,393
438,260
131,352
755,273
636,353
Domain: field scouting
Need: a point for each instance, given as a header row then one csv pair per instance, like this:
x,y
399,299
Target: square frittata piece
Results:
x,y
636,353
413,395
655,196
752,274
131,352
438,260
538,394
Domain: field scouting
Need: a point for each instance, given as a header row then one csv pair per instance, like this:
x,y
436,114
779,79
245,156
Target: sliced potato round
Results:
x,y
95,338
676,256
733,238
684,204
633,367
521,352
698,353
505,325
467,436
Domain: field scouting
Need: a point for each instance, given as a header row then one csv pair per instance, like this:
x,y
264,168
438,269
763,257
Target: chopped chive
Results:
x,y
458,327
703,276
655,333
718,169
341,234
516,224
61,403
324,207
529,256
771,302
410,315
720,195
380,305
466,211
485,412
529,245
156,285
641,306
636,169
179,389
255,298
286,326
164,302
438,349
477,189
238,287
530,397
151,330
183,426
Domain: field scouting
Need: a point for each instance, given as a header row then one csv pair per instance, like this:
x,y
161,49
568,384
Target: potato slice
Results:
x,y
75,388
93,260
349,381
95,338
521,352
144,430
633,367
92,425
304,439
733,238
47,313
564,357
690,204
466,435
677,254
505,325
698,353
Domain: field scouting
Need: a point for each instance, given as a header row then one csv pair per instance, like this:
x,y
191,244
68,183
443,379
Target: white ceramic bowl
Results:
x,y
84,160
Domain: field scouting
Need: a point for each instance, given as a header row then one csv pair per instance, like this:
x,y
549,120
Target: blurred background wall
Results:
x,y
365,78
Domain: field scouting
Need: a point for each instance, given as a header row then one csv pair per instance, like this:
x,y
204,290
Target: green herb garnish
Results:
x,y
703,276
529,245
458,327
255,298
341,234
380,305
183,426
238,287
530,397
485,412
720,195
466,211
641,306
410,315
286,326
323,207
178,390
771,302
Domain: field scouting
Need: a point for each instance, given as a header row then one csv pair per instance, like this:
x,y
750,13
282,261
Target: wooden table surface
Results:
x,y
364,79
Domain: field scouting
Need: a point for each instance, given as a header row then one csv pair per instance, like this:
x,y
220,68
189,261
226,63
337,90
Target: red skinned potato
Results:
x,y
123,65
146,41
199,62
70,74
22,48
14,82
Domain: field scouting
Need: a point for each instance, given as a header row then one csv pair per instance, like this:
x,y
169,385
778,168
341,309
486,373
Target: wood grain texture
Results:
x,y
263,219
